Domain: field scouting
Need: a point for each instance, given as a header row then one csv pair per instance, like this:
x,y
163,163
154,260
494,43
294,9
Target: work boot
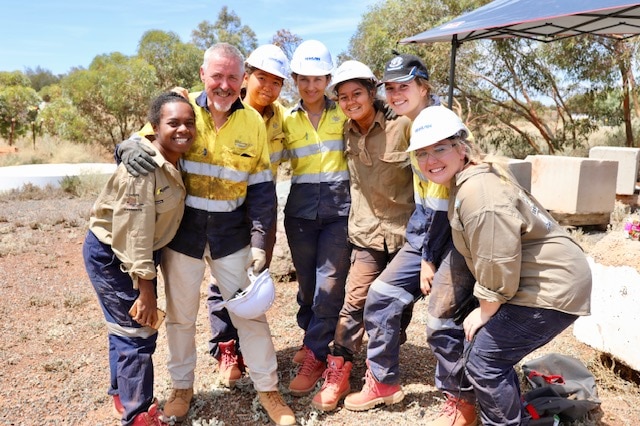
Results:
x,y
336,384
178,403
118,408
456,412
153,417
230,364
277,410
373,393
308,375
299,356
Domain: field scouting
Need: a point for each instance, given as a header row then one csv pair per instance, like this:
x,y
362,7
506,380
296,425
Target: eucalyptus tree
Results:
x,y
113,95
227,28
19,105
176,63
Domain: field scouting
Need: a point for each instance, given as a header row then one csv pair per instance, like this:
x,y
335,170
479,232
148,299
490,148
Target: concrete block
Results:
x,y
574,185
521,169
612,326
628,160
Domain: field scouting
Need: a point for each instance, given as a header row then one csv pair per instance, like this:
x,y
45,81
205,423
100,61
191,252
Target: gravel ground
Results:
x,y
53,346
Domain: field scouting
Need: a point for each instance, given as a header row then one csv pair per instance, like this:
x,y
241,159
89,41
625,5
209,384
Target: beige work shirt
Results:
x,y
517,252
381,183
138,215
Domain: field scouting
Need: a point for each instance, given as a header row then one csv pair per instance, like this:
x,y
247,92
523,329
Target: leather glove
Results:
x,y
136,156
258,260
388,112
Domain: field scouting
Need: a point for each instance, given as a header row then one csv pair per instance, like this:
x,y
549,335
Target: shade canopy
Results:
x,y
540,20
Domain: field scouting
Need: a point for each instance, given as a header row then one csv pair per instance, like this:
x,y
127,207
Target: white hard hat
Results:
x,y
433,124
350,70
311,58
256,299
269,58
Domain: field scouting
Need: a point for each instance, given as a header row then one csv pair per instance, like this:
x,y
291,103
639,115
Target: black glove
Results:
x,y
388,112
136,157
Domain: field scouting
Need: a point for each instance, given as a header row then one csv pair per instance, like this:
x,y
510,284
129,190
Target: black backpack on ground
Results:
x,y
562,386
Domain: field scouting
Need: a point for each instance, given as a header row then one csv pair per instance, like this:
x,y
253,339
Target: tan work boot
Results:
x,y
308,375
456,412
336,384
299,356
277,410
230,364
178,403
373,393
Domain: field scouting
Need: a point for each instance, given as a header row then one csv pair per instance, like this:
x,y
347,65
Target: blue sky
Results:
x,y
59,35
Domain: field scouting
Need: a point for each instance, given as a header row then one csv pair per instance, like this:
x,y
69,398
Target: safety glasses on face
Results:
x,y
436,152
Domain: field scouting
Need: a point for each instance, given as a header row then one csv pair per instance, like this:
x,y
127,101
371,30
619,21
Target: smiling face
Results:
x,y
176,130
222,77
356,102
439,163
407,98
311,88
263,88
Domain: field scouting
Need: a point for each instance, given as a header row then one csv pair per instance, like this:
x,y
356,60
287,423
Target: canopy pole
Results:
x,y
452,69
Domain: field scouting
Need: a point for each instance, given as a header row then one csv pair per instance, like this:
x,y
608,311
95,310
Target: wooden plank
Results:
x,y
581,219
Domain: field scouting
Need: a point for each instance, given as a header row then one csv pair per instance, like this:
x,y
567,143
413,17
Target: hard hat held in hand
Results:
x,y
256,299
269,58
311,58
433,124
351,70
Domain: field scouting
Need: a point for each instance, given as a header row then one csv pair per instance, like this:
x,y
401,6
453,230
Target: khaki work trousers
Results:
x,y
183,277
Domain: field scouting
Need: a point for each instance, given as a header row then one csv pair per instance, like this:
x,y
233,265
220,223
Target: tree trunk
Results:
x,y
12,131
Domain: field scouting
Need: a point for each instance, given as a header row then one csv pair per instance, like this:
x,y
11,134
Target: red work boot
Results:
x,y
299,356
151,418
456,412
308,375
118,408
229,363
336,384
373,393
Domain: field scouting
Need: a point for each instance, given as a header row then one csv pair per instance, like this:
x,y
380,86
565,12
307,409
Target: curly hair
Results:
x,y
155,109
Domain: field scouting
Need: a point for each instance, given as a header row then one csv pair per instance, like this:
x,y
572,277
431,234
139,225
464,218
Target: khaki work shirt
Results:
x,y
517,252
139,215
381,183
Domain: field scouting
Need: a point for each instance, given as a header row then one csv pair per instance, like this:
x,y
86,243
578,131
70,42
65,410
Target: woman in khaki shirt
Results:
x,y
532,278
132,219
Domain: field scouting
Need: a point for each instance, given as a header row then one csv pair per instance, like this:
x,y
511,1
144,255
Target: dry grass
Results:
x,y
50,150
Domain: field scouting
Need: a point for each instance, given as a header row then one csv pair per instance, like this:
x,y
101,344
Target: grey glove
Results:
x,y
136,157
388,112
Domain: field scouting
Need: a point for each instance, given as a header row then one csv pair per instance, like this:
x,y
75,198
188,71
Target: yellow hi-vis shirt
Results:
x,y
231,198
273,117
320,179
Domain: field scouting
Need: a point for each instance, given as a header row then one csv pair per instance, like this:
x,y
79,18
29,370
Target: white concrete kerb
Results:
x,y
41,175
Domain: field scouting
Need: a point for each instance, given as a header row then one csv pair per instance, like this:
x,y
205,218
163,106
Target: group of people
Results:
x,y
390,201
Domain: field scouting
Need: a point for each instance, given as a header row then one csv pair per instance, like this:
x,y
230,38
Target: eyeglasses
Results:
x,y
437,152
